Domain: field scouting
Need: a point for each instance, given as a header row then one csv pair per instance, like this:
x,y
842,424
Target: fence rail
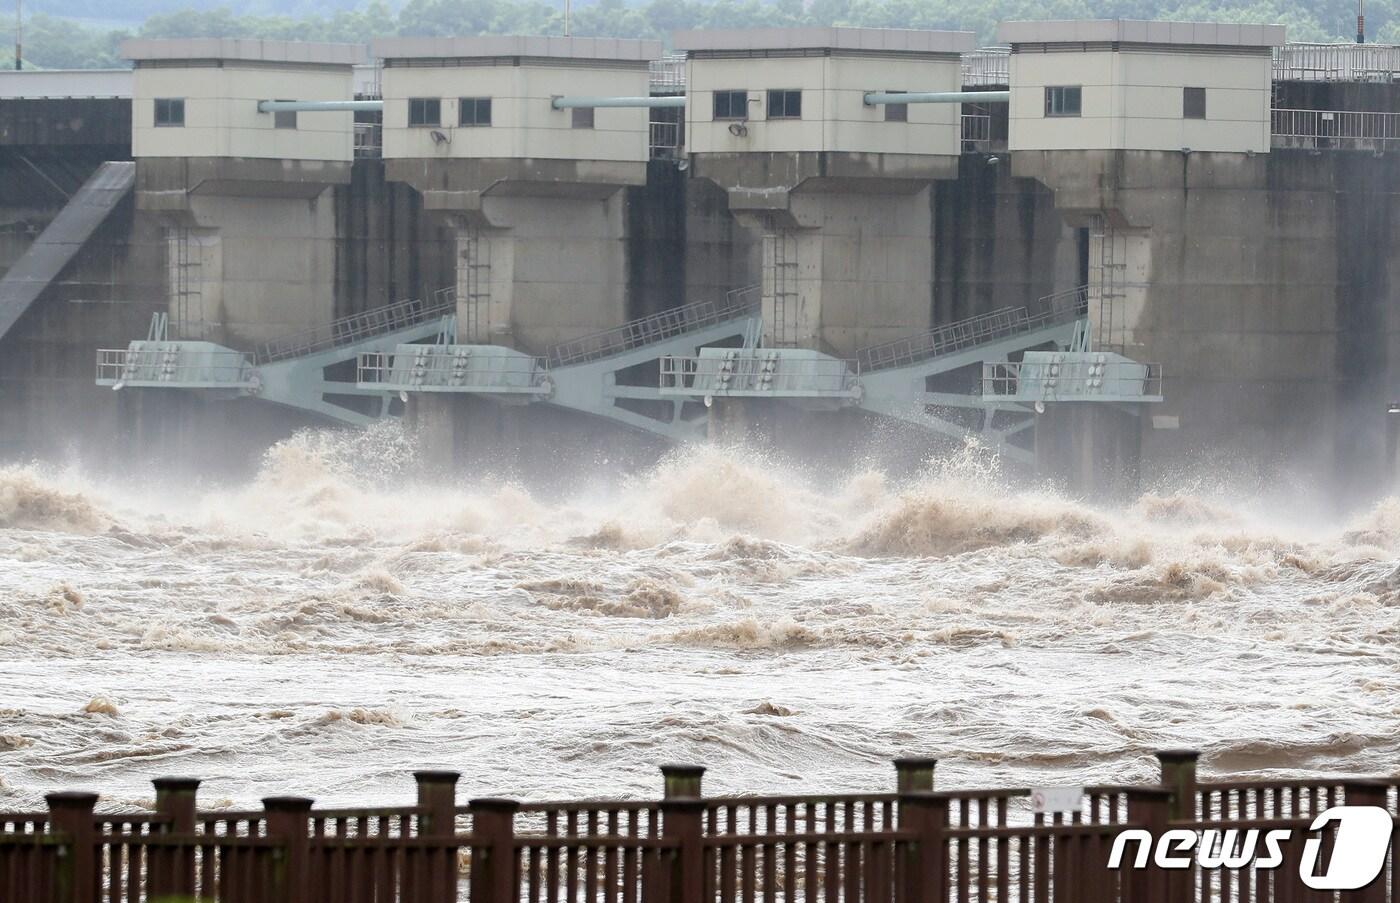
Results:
x,y
173,364
765,371
351,329
1335,129
1336,62
1061,307
990,66
916,845
654,328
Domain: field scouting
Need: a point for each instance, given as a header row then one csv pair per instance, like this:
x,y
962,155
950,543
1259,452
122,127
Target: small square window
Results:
x,y
474,111
583,117
284,119
896,112
1062,100
170,112
424,111
731,105
1193,103
784,104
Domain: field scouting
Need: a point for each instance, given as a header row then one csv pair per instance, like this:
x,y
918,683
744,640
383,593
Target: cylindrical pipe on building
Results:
x,y
320,106
565,103
876,97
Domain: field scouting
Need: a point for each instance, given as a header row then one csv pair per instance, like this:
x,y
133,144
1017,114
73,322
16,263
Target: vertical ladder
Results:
x,y
780,286
476,286
1106,277
186,279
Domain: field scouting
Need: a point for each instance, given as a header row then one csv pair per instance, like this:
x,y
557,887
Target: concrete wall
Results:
x,y
834,114
1266,287
555,269
523,124
49,405
386,247
1132,99
263,267
1000,242
222,118
864,270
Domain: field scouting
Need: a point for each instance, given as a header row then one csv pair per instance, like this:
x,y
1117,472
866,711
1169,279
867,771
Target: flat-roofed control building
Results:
x,y
1121,84
198,97
533,193
802,90
838,189
490,97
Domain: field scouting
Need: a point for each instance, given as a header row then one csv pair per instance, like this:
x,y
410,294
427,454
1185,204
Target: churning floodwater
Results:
x,y
334,623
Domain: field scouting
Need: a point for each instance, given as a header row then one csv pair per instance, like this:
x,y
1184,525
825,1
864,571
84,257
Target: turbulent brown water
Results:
x,y
332,625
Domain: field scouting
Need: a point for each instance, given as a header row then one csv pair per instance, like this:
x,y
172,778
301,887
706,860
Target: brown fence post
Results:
x,y
1179,779
683,823
288,822
493,850
925,815
1179,776
1372,793
682,782
913,775
437,798
70,813
437,817
170,871
1149,808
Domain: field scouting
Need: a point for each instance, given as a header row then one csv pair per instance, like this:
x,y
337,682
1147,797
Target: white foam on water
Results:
x,y
337,622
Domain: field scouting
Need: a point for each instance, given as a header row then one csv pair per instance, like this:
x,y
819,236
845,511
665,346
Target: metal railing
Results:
x,y
170,365
1073,379
976,132
668,74
453,367
759,372
1060,307
667,140
1336,62
987,66
1335,129
351,329
369,140
655,328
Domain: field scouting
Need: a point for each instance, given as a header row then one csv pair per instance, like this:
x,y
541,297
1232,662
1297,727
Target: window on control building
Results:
x,y
731,105
784,104
424,111
1062,100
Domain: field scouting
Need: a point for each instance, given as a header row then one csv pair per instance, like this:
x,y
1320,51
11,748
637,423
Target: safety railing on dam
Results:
x,y
1349,62
960,335
654,328
429,367
1335,129
1072,380
913,845
771,372
156,365
987,67
354,328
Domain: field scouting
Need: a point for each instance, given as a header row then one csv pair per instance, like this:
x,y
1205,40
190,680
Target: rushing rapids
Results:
x,y
334,624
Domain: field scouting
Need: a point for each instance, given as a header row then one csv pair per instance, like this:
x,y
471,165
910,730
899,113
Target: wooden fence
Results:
x,y
913,845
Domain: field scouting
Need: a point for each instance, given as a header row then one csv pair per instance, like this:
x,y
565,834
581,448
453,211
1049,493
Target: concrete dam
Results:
x,y
1110,251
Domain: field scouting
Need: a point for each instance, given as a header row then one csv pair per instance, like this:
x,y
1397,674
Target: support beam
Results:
x,y
878,97
565,103
320,106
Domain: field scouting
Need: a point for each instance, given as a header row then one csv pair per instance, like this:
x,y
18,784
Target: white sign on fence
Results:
x,y
1056,799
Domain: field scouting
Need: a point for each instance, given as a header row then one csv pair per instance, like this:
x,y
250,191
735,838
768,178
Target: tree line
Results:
x,y
55,42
